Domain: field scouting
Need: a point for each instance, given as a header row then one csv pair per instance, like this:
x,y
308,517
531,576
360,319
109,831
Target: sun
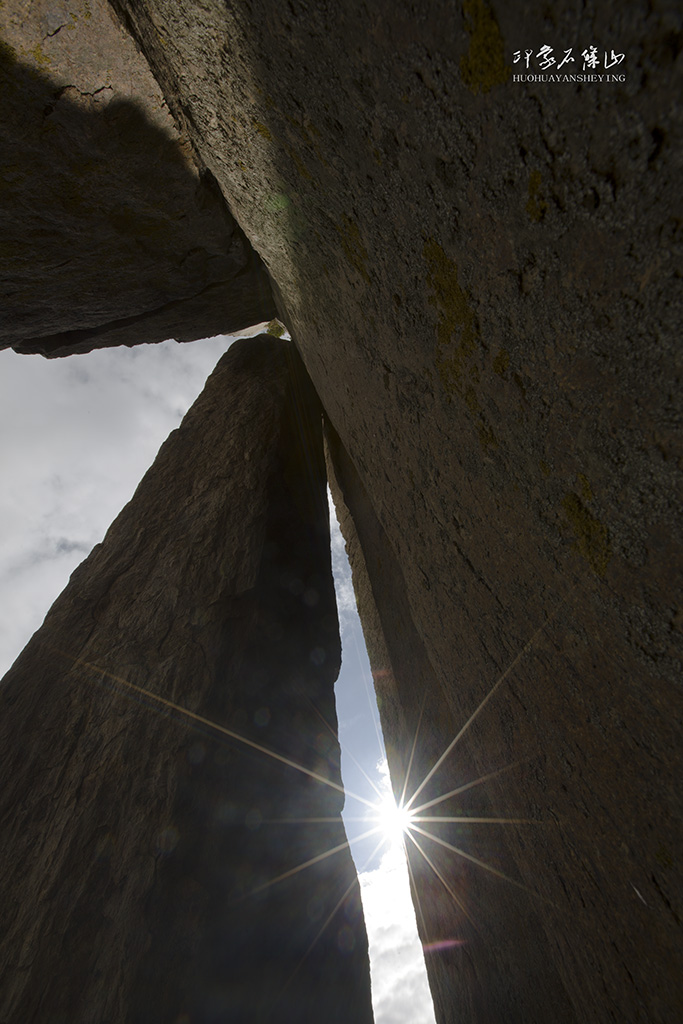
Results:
x,y
393,820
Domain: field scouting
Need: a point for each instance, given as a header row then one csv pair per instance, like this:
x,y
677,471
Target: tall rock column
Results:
x,y
143,814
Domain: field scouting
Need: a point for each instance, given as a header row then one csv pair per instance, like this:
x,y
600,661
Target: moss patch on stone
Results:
x,y
40,57
584,487
275,328
471,401
483,66
353,247
457,337
536,205
501,362
263,130
592,537
456,331
487,438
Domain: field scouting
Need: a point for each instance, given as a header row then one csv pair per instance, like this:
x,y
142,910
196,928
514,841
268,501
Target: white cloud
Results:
x,y
78,435
400,991
343,584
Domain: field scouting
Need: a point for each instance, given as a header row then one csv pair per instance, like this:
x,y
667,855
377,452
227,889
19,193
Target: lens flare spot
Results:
x,y
393,820
439,947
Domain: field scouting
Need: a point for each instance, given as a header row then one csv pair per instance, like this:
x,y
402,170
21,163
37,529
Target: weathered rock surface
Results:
x,y
110,231
481,276
139,838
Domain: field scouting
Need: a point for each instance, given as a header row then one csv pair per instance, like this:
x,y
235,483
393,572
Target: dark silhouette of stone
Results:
x,y
479,274
111,232
139,831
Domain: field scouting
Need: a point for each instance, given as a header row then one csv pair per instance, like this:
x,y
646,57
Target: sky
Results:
x,y
77,435
400,991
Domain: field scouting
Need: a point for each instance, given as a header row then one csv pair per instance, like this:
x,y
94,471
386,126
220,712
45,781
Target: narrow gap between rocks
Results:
x,y
400,990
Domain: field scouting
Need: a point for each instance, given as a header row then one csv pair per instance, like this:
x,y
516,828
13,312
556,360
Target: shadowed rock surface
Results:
x,y
483,279
138,841
111,233
481,276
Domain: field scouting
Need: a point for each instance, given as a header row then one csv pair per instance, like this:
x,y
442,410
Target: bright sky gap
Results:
x,y
400,990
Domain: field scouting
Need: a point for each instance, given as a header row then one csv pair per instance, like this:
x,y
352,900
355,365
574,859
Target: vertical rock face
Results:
x,y
150,841
110,231
481,276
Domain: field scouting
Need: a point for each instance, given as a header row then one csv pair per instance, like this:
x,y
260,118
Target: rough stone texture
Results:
x,y
110,231
137,841
483,279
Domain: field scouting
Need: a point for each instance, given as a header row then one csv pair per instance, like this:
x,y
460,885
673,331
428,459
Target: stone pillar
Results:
x,y
141,813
